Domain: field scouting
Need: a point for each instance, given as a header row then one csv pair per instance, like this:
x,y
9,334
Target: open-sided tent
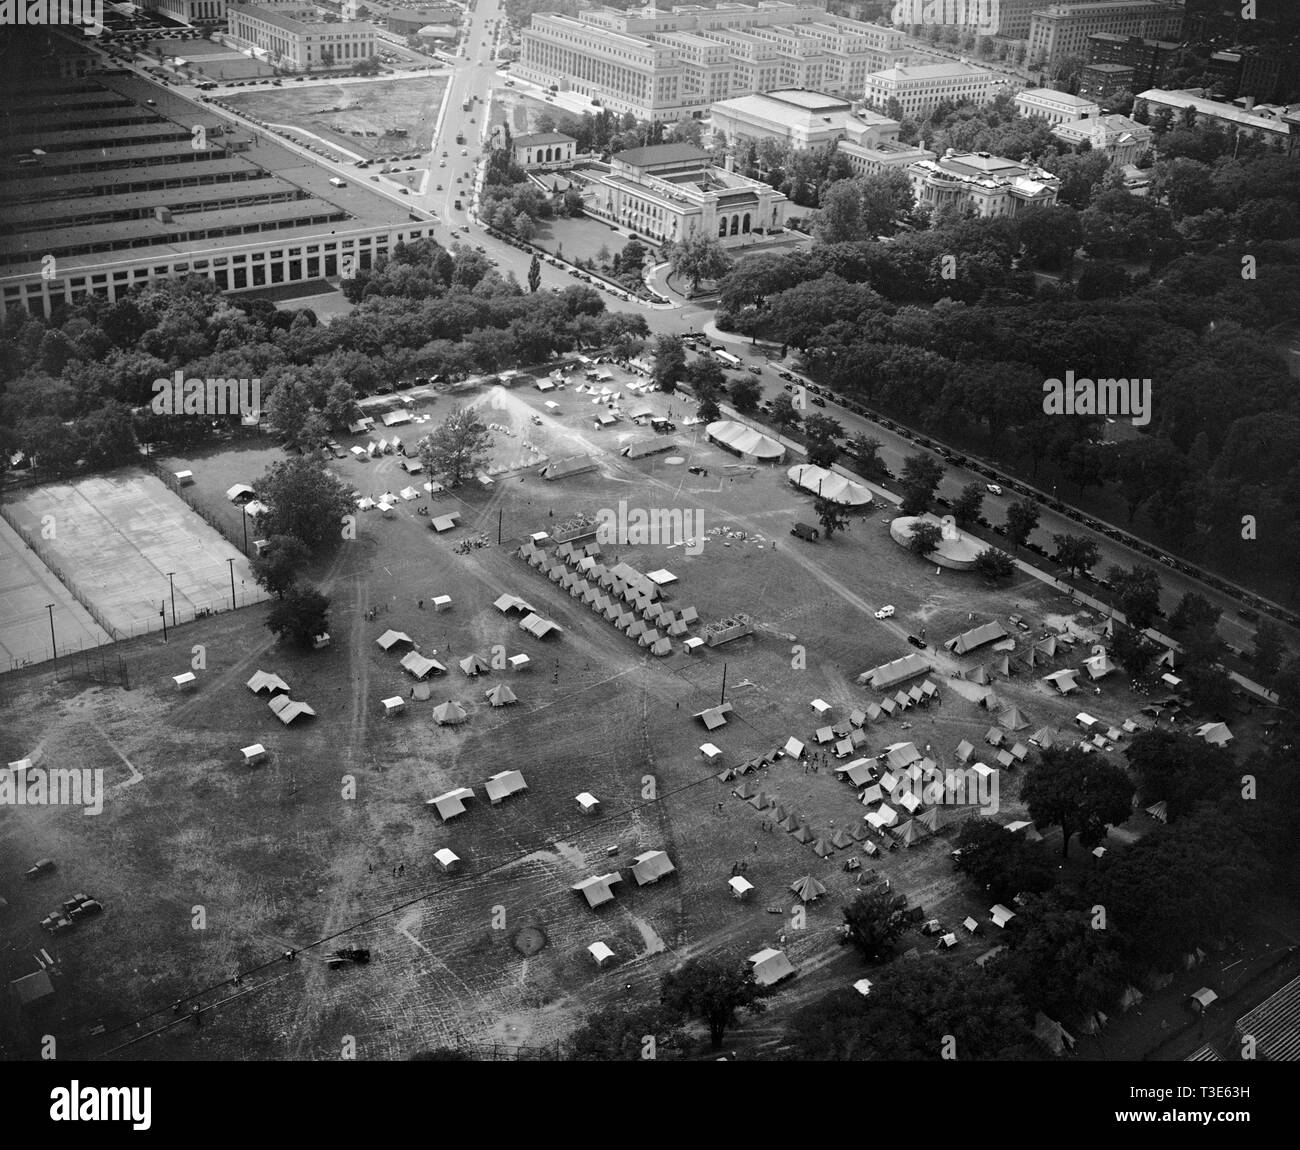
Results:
x,y
449,714
504,784
452,803
651,866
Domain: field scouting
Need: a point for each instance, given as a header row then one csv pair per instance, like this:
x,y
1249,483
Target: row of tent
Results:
x,y
647,868
284,708
499,787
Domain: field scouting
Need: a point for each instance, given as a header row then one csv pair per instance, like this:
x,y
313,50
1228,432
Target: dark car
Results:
x,y
804,532
916,642
817,401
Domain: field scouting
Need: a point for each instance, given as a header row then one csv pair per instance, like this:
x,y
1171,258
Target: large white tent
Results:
x,y
744,441
828,485
771,966
651,867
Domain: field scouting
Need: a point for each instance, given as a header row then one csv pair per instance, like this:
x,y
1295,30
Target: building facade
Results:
x,y
543,150
295,37
196,13
1100,82
1055,107
920,88
1150,60
670,191
668,65
987,186
1123,140
803,120
1270,124
1060,31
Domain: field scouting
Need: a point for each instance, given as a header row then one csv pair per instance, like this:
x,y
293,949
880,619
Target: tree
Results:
x,y
303,500
1076,553
712,988
926,537
875,918
1137,594
1082,794
1000,863
299,616
619,1034
457,448
632,257
1194,612
277,567
1132,650
707,410
1269,649
993,565
966,509
821,439
705,376
523,226
534,274
670,362
924,472
840,218
784,412
1179,770
831,515
866,456
699,257
1022,518
745,392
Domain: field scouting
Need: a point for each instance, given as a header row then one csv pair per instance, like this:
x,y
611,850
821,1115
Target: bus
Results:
x,y
727,359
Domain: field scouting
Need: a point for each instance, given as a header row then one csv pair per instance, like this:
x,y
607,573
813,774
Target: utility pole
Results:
x,y
245,519
171,581
53,645
500,516
162,610
231,563
723,699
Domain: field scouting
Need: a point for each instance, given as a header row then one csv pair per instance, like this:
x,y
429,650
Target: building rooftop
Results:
x,y
1229,112
543,138
661,154
1062,98
927,72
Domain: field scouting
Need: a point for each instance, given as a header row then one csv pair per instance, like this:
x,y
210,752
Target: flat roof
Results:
x,y
43,123
51,210
927,71
104,137
53,187
118,159
1057,97
661,154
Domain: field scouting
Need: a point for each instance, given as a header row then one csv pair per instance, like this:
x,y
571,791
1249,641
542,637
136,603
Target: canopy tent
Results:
x,y
452,803
286,710
1216,734
449,714
265,681
828,485
1063,681
420,666
651,866
976,637
771,966
389,639
1099,665
501,695
596,890
504,784
744,441
807,888
891,674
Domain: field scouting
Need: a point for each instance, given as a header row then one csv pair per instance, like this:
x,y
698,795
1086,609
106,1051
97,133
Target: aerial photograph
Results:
x,y
550,531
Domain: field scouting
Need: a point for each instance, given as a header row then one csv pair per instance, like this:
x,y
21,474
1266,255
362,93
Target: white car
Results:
x,y
885,612
993,489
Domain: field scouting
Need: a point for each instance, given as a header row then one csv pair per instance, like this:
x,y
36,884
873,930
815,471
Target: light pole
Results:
x,y
231,563
171,582
53,645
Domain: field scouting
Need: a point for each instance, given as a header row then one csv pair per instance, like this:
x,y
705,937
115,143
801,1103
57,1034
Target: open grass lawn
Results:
x,y
304,848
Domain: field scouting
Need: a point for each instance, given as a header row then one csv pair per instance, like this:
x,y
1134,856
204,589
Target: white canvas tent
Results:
x,y
390,639
771,966
452,803
651,866
420,666
286,710
596,890
265,681
504,784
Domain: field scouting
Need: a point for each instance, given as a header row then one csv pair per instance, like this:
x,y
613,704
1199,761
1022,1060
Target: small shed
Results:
x,y
448,859
185,682
253,755
393,706
600,954
588,804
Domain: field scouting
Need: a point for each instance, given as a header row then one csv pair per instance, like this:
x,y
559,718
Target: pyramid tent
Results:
x,y
761,801
808,888
725,775
788,824
743,791
474,665
858,833
823,848
841,839
1012,719
905,834
501,695
931,819
780,813
1046,646
1003,665
802,834
1029,656
1043,738
1159,811
449,714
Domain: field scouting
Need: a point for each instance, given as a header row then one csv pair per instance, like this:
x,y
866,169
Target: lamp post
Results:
x,y
171,582
231,563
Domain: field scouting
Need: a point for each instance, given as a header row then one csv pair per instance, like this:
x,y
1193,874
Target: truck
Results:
x,y
804,532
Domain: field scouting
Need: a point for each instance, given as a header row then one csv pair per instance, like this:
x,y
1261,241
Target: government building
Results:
x,y
294,36
670,191
920,89
986,185
671,65
1059,31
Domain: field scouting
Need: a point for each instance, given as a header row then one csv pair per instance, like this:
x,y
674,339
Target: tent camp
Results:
x,y
1063,681
596,890
1099,665
828,485
501,696
265,681
891,674
286,710
807,888
1216,734
452,803
976,637
650,867
771,966
449,714
474,665
744,441
390,639
504,784
420,666
538,627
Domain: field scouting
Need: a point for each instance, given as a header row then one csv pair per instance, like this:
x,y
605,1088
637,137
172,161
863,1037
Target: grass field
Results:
x,y
309,846
343,113
117,537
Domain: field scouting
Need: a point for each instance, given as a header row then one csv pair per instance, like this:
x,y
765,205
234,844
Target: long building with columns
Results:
x,y
671,65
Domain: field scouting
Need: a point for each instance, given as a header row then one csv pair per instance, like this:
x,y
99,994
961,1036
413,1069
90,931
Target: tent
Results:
x,y
651,866
793,747
446,858
828,485
740,886
857,772
538,627
1043,738
1063,681
802,834
441,523
901,755
976,637
931,819
565,468
1002,666
239,492
978,675
1046,647
286,710
31,988
389,639
507,603
253,755
823,848
744,441
449,714
1159,811
995,736
265,681
1001,915
393,706
1216,734
452,803
596,890
587,803
421,667
891,674
474,665
1012,720
905,834
715,716
771,966
501,695
1099,665
964,751
1052,1034
600,953
504,784
807,888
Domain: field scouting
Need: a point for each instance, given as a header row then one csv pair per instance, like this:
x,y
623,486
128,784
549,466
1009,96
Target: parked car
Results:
x,y
993,489
806,533
885,612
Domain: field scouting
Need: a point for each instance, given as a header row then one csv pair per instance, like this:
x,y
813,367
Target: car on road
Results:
x,y
885,613
916,642
754,370
817,401
993,489
464,151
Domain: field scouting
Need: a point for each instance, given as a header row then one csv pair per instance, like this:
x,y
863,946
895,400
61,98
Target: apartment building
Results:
x,y
1060,31
1150,60
668,65
920,88
986,185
